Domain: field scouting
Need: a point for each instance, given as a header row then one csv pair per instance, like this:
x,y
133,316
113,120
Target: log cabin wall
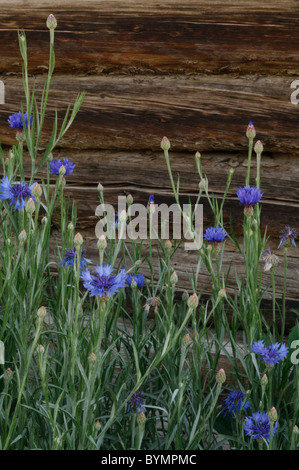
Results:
x,y
195,71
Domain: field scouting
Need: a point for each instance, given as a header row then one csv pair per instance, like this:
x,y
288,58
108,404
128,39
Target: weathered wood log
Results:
x,y
129,36
144,173
195,113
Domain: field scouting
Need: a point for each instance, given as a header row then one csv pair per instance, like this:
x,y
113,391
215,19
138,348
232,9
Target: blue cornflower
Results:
x,y
70,257
215,234
15,120
102,282
257,426
136,403
249,195
55,166
287,237
138,278
17,193
270,354
234,403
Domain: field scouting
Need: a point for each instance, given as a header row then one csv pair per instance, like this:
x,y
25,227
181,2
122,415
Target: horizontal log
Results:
x,y
195,113
190,37
145,173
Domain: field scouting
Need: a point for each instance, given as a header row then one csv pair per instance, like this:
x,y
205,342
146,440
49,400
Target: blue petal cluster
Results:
x,y
215,234
55,166
102,282
257,426
234,403
287,237
151,199
249,195
15,120
17,193
138,278
70,257
270,354
136,403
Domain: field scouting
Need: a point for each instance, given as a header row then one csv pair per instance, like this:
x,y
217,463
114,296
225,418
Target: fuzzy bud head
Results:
x,y
202,184
7,374
78,240
165,144
221,377
41,313
258,148
250,133
272,415
23,236
51,22
192,301
30,206
129,200
102,243
37,191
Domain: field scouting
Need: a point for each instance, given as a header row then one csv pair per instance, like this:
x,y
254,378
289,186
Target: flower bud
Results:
x,y
51,22
165,144
92,359
296,430
129,200
41,313
192,301
173,279
7,374
37,191
70,227
44,220
185,296
222,294
40,349
186,340
221,377
97,425
23,236
100,188
202,184
30,206
197,157
250,133
258,148
62,170
168,245
78,240
264,381
20,136
272,415
102,243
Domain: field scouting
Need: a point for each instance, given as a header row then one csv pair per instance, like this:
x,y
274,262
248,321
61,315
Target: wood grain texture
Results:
x,y
195,113
144,173
157,37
